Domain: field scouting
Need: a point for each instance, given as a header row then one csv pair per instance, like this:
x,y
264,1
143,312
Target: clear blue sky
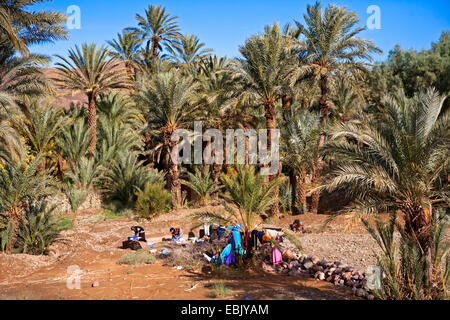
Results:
x,y
224,25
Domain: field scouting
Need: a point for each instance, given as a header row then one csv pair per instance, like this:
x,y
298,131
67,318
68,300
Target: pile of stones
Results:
x,y
337,272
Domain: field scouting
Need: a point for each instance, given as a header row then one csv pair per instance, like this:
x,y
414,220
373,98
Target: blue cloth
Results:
x,y
226,252
237,242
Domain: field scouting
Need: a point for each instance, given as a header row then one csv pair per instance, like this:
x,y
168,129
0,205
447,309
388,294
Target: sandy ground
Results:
x,y
94,248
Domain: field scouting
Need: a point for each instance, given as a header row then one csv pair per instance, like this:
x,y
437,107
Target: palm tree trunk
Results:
x,y
293,183
155,41
43,165
60,164
325,112
247,147
92,122
301,193
271,124
173,173
15,223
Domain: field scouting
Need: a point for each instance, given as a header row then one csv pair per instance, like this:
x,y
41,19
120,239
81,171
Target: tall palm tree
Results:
x,y
396,163
299,150
218,89
171,100
190,53
89,70
268,65
127,49
332,45
21,27
158,28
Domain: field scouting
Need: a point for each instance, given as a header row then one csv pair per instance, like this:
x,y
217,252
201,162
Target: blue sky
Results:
x,y
224,25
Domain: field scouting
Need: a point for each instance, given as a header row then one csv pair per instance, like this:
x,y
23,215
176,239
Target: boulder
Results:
x,y
308,264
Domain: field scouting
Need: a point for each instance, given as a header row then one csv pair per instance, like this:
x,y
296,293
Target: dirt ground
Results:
x,y
94,247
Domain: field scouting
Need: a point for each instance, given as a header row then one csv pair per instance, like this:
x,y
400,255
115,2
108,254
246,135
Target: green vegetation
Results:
x,y
153,200
220,290
378,133
137,257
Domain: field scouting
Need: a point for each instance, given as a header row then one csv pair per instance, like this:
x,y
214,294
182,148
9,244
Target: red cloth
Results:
x,y
246,237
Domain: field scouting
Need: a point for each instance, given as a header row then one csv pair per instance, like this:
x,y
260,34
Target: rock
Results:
x,y
347,275
288,254
308,264
319,275
267,268
95,284
293,264
370,297
361,292
314,259
323,263
329,278
316,268
341,282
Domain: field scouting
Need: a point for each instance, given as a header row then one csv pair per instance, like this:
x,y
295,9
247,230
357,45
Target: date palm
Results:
x,y
268,65
127,49
332,46
21,183
396,163
41,127
22,76
91,71
190,53
22,27
158,28
299,149
171,102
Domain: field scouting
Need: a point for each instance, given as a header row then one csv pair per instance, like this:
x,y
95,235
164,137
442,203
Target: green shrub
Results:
x,y
153,200
220,290
126,175
137,257
202,185
38,229
406,274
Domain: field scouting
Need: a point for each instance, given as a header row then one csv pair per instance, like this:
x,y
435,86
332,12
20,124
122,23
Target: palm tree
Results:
x,y
202,185
22,28
127,49
12,146
218,88
19,184
171,101
73,141
249,194
395,163
332,45
190,53
268,65
22,76
299,150
41,127
158,28
90,71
